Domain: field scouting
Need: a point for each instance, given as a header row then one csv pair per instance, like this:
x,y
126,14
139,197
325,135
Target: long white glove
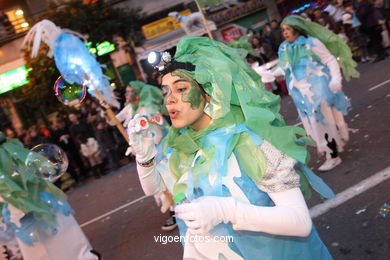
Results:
x,y
330,61
289,216
268,76
144,148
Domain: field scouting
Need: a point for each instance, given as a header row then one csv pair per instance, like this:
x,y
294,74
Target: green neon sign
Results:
x,y
13,79
101,49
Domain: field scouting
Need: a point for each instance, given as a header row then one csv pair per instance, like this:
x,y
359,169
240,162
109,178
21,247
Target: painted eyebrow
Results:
x,y
176,81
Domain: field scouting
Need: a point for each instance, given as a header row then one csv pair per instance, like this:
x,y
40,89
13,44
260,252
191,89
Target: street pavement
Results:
x,y
122,224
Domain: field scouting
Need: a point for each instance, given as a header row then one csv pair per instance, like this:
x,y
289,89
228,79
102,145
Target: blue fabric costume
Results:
x,y
308,78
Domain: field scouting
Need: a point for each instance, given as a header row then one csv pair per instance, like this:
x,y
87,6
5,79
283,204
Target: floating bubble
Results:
x,y
50,161
384,211
69,94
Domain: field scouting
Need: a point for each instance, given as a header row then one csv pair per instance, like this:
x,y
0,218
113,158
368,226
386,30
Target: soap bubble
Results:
x,y
69,94
384,211
49,160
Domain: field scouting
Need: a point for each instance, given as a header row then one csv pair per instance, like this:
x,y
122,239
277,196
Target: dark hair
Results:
x,y
82,138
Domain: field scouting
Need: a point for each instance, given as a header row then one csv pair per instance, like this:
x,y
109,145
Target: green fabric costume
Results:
x,y
19,187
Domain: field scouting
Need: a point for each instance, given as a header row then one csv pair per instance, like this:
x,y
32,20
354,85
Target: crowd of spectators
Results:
x,y
92,145
363,24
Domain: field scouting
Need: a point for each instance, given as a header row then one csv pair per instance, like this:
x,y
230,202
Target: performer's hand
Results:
x,y
266,75
335,85
203,214
141,141
162,201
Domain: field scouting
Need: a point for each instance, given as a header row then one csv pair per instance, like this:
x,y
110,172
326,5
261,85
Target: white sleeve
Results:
x,y
125,113
289,217
150,179
328,59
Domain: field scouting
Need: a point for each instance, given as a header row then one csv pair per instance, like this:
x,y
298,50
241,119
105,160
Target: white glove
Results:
x,y
141,140
266,75
203,214
289,216
335,85
162,201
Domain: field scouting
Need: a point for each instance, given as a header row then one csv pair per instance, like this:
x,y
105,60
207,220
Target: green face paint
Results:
x,y
195,94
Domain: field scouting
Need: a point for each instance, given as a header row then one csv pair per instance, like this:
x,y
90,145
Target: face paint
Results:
x,y
181,96
195,95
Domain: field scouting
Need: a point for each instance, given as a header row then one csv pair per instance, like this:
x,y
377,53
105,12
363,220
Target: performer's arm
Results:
x,y
289,217
145,152
330,61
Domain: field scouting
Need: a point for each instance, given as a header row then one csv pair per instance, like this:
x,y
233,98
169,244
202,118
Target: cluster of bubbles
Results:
x,y
384,211
50,160
69,94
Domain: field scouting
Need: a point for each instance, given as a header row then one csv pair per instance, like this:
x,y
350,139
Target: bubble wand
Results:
x,y
74,62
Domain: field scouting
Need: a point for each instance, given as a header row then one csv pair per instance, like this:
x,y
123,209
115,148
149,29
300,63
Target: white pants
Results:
x,y
70,243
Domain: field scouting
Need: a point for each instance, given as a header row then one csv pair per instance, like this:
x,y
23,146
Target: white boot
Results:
x,y
330,164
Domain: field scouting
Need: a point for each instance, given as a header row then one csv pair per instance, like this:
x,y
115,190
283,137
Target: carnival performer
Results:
x,y
311,57
146,100
143,99
229,161
36,211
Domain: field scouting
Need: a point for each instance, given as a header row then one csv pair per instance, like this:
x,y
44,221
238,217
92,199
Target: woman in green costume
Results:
x,y
229,160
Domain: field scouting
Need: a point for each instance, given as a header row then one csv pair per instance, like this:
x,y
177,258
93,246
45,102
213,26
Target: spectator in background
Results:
x,y
63,138
351,26
308,14
371,26
44,130
78,127
276,33
383,17
324,19
95,114
34,137
335,10
267,36
90,149
107,144
120,97
10,133
263,48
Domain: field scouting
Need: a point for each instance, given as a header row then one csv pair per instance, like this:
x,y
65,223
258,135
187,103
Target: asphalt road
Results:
x,y
123,225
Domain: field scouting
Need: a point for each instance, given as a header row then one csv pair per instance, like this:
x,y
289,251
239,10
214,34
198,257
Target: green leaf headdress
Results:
x,y
333,42
148,95
231,82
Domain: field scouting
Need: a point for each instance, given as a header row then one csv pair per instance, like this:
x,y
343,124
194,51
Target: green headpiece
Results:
x,y
237,97
148,95
244,43
333,42
230,81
